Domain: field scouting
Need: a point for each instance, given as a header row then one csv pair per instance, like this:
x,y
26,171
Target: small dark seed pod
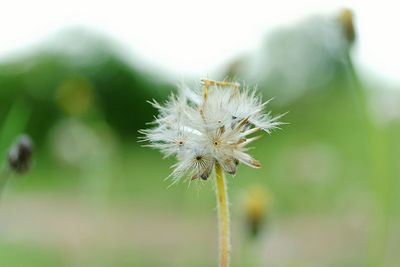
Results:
x,y
20,154
204,176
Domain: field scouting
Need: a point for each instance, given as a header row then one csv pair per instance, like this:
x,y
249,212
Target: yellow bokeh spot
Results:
x,y
75,96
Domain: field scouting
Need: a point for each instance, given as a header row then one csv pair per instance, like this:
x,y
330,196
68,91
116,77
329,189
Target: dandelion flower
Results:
x,y
208,129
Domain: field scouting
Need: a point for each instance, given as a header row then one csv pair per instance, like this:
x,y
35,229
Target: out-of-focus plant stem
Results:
x,y
4,175
250,253
223,217
380,178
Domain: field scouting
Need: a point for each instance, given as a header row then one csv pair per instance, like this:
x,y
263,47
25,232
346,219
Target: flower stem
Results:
x,y
381,181
223,217
4,175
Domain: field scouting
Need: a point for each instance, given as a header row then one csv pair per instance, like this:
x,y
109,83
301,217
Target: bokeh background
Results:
x,y
76,75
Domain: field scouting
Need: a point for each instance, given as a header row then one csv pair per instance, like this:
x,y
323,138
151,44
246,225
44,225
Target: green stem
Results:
x,y
379,173
4,175
223,217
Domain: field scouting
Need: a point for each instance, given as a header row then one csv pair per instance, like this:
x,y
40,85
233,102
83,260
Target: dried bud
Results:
x,y
20,154
346,18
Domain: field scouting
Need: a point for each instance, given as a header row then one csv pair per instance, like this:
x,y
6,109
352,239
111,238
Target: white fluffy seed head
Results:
x,y
204,127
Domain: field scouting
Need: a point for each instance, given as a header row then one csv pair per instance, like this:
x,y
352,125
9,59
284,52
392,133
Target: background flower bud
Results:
x,y
346,18
20,154
257,203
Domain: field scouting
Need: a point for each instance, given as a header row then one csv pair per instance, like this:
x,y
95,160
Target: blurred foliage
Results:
x,y
301,61
83,76
84,103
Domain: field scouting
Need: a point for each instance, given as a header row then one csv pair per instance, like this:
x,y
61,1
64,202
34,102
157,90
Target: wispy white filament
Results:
x,y
201,128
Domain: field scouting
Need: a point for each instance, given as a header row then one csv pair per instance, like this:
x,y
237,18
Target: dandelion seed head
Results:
x,y
214,124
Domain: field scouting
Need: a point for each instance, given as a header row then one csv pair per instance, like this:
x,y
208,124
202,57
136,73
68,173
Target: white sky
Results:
x,y
194,37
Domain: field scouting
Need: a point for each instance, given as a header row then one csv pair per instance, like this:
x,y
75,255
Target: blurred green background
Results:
x,y
95,197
